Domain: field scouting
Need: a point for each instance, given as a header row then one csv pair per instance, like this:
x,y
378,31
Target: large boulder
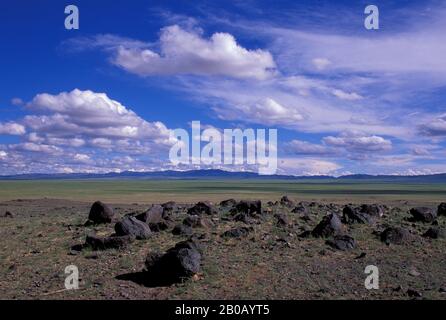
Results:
x,y
228,203
395,235
247,207
101,213
355,215
329,226
157,217
178,263
423,214
441,210
113,242
202,207
153,215
132,226
342,242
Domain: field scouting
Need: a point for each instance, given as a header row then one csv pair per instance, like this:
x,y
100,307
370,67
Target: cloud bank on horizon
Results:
x,y
344,99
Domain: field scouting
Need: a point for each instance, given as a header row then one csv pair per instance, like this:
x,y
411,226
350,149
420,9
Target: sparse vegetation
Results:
x,y
272,261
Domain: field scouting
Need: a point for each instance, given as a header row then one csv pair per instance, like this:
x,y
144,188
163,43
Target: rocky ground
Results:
x,y
284,249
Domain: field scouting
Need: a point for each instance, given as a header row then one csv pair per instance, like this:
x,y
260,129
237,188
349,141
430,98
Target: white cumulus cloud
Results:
x,y
187,52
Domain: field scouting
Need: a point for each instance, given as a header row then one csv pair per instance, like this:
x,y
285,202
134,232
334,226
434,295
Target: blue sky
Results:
x,y
105,97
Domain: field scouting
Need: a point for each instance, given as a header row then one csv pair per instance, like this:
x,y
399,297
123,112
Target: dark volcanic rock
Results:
x,y
395,235
153,215
373,210
228,203
423,214
282,220
286,202
113,242
342,242
441,210
248,207
354,215
101,213
329,226
300,209
132,226
243,217
237,232
178,263
160,226
169,207
8,215
182,230
202,207
414,293
197,222
435,233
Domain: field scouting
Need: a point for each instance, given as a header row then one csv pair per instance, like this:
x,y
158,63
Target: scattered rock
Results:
x,y
228,203
8,214
355,215
414,293
423,214
342,242
132,226
300,209
398,288
237,232
151,259
101,213
362,255
282,220
441,210
169,207
243,217
112,242
153,215
374,210
435,233
395,235
202,207
329,226
178,263
160,226
182,230
248,207
197,222
286,202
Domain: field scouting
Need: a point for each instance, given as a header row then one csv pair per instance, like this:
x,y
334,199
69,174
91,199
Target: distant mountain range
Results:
x,y
221,174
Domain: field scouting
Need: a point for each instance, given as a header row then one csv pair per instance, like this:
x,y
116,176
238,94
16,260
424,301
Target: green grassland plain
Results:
x,y
155,191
